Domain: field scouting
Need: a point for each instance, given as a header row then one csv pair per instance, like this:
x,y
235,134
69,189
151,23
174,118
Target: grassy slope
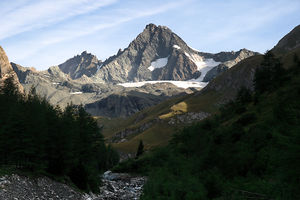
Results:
x,y
160,133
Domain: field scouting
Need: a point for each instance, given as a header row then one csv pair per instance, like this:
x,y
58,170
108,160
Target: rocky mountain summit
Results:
x,y
159,54
84,64
7,71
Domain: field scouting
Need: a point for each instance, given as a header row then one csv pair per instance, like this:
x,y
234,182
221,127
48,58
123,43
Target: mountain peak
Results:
x,y
151,26
85,53
83,64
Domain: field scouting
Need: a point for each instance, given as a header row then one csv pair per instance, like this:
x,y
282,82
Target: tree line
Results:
x,y
37,137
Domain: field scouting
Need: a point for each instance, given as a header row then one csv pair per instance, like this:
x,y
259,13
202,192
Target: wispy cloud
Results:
x,y
22,16
99,22
46,32
90,24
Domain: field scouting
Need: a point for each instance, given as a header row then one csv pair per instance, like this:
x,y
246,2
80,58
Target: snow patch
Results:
x,y
181,84
159,63
203,65
176,46
75,92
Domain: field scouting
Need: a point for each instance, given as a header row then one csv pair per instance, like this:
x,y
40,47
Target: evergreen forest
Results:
x,y
37,138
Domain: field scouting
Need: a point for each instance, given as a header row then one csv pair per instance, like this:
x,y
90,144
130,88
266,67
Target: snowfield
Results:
x,y
181,84
159,63
203,65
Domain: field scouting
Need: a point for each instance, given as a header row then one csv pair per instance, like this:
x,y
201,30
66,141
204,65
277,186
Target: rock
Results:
x,y
187,118
84,64
211,74
228,60
153,44
122,186
23,188
86,80
7,71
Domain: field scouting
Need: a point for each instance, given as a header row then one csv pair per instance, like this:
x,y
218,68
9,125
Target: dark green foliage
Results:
x,y
270,75
41,139
248,154
244,96
112,157
140,149
247,118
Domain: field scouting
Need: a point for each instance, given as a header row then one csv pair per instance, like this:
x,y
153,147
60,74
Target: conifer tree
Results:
x,y
140,149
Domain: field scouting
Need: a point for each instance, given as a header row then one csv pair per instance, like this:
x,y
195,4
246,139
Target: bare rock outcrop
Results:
x,y
7,71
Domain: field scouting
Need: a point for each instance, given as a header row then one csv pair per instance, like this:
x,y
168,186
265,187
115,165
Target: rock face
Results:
x,y
125,102
99,99
154,45
228,83
123,105
84,64
188,118
7,71
232,57
214,72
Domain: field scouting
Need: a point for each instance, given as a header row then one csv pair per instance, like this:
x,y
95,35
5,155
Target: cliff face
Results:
x,y
153,55
232,58
7,71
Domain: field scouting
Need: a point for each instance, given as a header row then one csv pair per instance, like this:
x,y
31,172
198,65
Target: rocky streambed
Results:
x,y
115,186
120,186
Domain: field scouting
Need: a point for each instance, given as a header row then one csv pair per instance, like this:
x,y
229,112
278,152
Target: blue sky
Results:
x,y
43,33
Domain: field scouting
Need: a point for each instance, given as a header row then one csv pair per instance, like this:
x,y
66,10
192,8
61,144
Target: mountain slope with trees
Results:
x,y
250,150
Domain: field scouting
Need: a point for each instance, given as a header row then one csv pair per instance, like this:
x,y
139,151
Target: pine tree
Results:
x,y
140,149
270,75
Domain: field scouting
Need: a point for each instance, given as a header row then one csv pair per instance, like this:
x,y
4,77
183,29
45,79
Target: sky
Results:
x,y
44,33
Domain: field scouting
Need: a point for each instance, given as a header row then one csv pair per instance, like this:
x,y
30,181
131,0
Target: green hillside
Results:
x,y
250,150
